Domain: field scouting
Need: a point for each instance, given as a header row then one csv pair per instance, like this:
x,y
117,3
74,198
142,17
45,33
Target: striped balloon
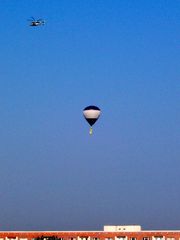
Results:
x,y
91,114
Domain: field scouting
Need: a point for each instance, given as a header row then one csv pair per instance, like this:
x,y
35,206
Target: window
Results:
x,y
120,238
83,238
158,238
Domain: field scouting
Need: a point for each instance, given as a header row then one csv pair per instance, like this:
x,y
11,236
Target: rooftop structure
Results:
x,y
128,228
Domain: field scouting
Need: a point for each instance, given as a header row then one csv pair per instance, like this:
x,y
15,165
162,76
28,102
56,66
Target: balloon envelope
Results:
x,y
91,114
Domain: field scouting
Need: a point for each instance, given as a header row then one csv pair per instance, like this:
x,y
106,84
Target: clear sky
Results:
x,y
120,55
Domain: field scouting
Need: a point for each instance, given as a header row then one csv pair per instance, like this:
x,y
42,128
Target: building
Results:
x,y
133,232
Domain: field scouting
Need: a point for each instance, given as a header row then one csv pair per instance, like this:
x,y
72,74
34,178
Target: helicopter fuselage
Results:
x,y
35,24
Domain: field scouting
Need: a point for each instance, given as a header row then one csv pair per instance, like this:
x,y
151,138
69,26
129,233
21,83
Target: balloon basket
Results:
x,y
90,131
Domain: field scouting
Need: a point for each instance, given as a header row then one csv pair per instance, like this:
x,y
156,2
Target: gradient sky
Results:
x,y
124,57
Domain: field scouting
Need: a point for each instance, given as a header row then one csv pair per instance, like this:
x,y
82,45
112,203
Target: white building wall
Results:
x,y
123,228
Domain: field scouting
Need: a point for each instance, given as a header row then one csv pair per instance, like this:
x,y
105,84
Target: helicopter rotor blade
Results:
x,y
31,19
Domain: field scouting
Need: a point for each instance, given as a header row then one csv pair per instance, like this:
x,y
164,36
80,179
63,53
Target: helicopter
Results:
x,y
36,22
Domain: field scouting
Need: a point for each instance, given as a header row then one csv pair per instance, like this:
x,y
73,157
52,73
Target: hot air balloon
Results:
x,y
91,114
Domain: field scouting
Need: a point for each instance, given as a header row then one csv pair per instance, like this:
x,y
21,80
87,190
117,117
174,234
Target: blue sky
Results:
x,y
122,56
